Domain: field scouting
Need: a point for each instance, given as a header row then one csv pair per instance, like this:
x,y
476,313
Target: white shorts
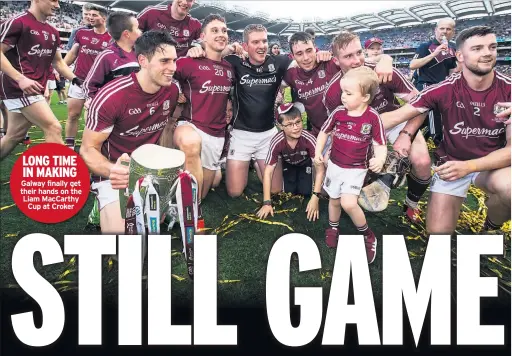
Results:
x,y
211,147
105,193
457,188
76,92
52,85
393,133
244,144
14,105
340,180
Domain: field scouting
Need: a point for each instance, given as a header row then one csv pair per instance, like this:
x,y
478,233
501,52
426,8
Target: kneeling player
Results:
x,y
296,148
355,126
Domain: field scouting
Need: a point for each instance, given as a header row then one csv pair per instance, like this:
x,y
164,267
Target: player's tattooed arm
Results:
x,y
72,54
267,209
61,67
29,86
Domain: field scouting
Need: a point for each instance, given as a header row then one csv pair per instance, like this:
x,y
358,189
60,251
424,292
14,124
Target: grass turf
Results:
x,y
242,253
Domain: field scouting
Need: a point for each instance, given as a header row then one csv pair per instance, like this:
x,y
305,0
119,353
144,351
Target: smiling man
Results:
x,y
175,19
476,144
127,113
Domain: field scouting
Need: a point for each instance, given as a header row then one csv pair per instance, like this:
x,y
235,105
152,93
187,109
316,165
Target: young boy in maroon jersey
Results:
x,y
296,148
357,133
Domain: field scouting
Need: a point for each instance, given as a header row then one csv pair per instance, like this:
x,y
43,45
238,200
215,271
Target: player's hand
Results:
x,y
505,115
196,52
312,210
46,93
236,48
182,99
319,159
376,165
403,145
384,70
264,211
323,56
453,170
57,76
119,174
439,49
30,87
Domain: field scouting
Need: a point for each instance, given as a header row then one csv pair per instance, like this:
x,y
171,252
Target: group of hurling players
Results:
x,y
164,77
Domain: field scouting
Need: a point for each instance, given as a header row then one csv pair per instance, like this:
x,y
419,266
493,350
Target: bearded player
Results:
x,y
29,47
175,19
476,143
126,113
349,54
89,43
206,83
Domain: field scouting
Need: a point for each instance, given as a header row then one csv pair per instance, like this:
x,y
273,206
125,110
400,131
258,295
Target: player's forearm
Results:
x,y
321,140
420,62
70,56
267,182
414,124
394,118
63,69
97,163
494,160
8,69
380,152
319,177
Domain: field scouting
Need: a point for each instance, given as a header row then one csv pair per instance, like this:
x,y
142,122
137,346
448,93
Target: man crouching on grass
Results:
x,y
296,148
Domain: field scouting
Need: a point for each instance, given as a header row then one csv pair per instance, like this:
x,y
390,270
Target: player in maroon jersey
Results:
x,y
207,83
476,144
349,54
119,58
29,46
174,18
295,147
358,144
89,43
126,113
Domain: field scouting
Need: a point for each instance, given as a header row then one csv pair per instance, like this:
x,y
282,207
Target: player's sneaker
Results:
x,y
413,215
370,242
331,237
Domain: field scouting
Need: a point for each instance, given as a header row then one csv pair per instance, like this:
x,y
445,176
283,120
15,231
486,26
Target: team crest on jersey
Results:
x,y
95,40
45,35
271,67
229,74
104,44
186,33
366,129
53,37
259,70
167,104
321,73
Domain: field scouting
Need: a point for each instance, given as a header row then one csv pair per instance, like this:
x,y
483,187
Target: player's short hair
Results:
x,y
87,6
299,37
342,40
293,113
446,19
118,22
149,42
367,79
103,11
310,31
252,28
472,32
211,18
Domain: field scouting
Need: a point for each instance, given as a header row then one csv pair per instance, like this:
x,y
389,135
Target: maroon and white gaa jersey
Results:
x,y
131,116
91,44
206,85
51,74
384,101
469,129
33,46
303,150
310,87
352,139
159,18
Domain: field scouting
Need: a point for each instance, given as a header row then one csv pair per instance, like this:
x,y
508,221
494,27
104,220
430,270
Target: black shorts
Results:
x,y
433,125
60,84
298,179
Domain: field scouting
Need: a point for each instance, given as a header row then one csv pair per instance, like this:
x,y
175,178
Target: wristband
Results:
x,y
267,202
318,195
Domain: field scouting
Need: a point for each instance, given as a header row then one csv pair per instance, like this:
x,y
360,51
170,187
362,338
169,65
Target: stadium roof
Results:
x,y
237,17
